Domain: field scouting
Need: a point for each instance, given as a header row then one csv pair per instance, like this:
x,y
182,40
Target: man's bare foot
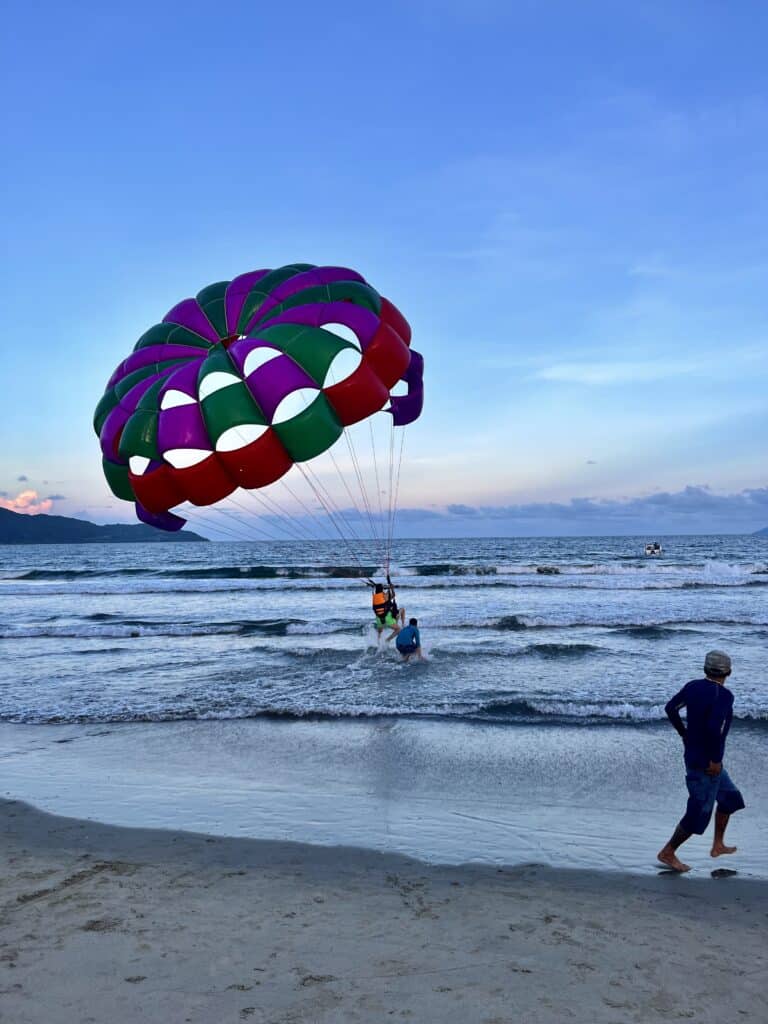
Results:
x,y
718,849
669,859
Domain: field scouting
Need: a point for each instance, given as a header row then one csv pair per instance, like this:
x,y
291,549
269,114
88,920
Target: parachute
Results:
x,y
252,377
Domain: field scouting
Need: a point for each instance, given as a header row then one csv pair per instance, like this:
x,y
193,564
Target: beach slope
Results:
x,y
101,923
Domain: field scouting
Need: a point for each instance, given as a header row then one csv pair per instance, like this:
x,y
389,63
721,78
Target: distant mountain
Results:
x,y
17,528
761,533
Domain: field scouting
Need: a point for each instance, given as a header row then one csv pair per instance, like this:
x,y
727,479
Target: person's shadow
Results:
x,y
717,873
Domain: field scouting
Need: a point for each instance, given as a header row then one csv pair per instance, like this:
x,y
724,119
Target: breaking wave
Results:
x,y
508,711
102,627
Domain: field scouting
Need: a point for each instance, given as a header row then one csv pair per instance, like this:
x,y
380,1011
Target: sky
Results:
x,y
566,200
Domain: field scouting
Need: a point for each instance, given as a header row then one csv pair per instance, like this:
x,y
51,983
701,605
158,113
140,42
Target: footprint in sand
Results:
x,y
102,924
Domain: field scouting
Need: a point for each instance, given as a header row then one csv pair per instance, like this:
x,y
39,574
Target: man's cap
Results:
x,y
717,663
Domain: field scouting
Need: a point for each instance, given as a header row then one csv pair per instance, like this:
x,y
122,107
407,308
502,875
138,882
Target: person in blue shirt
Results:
x,y
408,640
709,711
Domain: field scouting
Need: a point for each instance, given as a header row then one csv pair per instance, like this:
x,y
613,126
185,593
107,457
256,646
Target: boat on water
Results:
x,y
654,549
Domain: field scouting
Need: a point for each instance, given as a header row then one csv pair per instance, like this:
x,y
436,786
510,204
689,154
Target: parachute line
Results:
x,y
196,516
248,526
361,484
390,492
292,533
322,524
332,503
216,528
274,508
378,486
329,513
397,489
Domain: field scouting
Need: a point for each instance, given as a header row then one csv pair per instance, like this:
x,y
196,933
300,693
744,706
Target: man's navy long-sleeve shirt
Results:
x,y
709,710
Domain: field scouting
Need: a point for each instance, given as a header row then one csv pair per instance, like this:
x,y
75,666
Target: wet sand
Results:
x,y
107,924
442,792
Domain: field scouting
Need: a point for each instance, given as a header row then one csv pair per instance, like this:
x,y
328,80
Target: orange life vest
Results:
x,y
381,604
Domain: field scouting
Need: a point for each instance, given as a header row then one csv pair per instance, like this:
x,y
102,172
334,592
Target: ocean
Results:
x,y
237,689
553,631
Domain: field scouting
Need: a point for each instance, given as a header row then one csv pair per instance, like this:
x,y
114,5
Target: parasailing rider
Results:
x,y
385,610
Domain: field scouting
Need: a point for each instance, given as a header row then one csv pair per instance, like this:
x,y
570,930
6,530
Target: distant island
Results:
x,y
761,533
18,528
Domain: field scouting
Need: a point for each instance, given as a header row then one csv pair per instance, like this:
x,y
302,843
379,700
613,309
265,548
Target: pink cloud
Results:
x,y
28,502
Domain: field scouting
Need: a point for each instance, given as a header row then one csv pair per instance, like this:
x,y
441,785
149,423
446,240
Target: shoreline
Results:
x,y
103,922
450,793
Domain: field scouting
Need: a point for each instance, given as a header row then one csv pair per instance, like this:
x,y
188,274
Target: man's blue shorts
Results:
x,y
703,792
407,648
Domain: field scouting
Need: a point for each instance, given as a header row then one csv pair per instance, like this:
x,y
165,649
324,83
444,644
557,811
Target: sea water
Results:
x,y
239,690
556,631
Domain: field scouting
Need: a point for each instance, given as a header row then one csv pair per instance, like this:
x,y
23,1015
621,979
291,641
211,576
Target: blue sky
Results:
x,y
567,200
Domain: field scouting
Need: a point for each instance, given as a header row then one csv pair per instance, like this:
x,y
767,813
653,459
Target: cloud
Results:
x,y
693,507
650,268
22,479
643,360
28,502
615,372
415,515
56,497
591,462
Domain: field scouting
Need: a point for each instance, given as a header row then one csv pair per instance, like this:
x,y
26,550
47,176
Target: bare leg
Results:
x,y
667,854
718,846
402,617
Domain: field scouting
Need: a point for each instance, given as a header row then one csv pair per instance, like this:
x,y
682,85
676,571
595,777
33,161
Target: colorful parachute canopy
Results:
x,y
251,376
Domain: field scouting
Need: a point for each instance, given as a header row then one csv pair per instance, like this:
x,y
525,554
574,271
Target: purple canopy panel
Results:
x,y
307,279
162,520
360,320
235,296
189,314
117,375
119,416
407,408
314,278
110,432
239,351
134,395
270,384
153,354
182,427
184,379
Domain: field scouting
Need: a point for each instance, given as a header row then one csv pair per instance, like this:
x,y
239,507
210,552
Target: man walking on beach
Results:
x,y
709,710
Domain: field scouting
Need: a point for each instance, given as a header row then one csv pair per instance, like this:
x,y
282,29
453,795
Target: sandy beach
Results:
x,y
101,923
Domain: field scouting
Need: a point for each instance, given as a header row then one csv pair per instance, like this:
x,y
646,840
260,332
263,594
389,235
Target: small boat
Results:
x,y
654,549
